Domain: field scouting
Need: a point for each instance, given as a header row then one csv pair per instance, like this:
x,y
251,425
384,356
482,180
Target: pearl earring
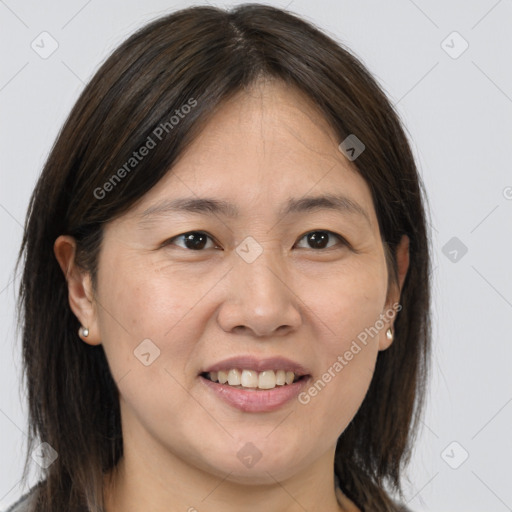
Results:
x,y
83,331
389,334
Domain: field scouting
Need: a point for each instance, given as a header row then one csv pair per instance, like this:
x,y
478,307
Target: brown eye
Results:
x,y
193,240
321,239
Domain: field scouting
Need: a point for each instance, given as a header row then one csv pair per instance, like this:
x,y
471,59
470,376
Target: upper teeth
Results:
x,y
267,379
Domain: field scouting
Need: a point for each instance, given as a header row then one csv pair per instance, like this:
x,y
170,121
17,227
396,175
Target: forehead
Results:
x,y
260,149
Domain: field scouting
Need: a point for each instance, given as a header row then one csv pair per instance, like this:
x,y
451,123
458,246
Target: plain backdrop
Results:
x,y
447,67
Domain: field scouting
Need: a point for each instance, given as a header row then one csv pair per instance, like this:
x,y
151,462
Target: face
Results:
x,y
269,275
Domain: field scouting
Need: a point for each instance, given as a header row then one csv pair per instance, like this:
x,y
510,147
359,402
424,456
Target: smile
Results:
x,y
255,399
252,379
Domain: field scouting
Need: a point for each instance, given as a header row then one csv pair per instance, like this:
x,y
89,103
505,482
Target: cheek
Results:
x,y
143,309
148,334
349,307
348,300
338,389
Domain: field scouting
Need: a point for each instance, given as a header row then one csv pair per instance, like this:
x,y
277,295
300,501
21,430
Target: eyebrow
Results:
x,y
211,206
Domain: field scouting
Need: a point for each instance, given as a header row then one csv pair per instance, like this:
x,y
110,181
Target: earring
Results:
x,y
83,331
389,334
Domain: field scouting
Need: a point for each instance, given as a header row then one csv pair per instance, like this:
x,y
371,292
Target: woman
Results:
x,y
225,292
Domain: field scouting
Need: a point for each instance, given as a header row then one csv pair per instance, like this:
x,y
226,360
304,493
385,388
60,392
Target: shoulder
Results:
x,y
23,503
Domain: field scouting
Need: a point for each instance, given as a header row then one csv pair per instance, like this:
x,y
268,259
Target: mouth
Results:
x,y
240,395
251,384
252,379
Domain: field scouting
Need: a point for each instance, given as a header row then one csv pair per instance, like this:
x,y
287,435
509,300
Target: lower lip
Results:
x,y
256,400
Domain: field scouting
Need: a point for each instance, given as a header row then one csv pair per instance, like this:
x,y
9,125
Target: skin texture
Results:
x,y
199,307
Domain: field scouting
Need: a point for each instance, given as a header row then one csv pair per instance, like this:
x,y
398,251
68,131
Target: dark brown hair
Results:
x,y
206,55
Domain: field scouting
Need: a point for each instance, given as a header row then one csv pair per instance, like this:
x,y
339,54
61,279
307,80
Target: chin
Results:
x,y
250,465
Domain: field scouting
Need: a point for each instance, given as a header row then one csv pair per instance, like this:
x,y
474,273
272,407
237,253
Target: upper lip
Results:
x,y
249,362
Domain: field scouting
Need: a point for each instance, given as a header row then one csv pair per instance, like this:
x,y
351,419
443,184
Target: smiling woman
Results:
x,y
243,317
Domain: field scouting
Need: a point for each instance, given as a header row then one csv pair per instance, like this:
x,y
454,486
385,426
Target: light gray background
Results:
x,y
458,112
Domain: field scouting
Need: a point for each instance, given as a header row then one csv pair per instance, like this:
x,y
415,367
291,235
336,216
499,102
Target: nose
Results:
x,y
259,298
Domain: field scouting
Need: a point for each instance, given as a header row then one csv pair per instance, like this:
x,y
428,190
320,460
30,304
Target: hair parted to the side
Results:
x,y
206,54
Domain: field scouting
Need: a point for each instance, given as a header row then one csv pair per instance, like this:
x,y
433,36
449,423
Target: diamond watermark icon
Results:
x,y
147,352
249,249
44,455
454,45
249,455
454,249
351,147
44,45
454,455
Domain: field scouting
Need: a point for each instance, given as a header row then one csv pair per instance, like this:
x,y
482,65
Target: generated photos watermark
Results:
x,y
157,135
343,360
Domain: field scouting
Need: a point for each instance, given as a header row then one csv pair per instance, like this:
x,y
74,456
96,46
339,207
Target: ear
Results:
x,y
402,260
80,292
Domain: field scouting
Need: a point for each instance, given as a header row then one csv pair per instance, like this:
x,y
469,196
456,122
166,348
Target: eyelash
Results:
x,y
330,233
